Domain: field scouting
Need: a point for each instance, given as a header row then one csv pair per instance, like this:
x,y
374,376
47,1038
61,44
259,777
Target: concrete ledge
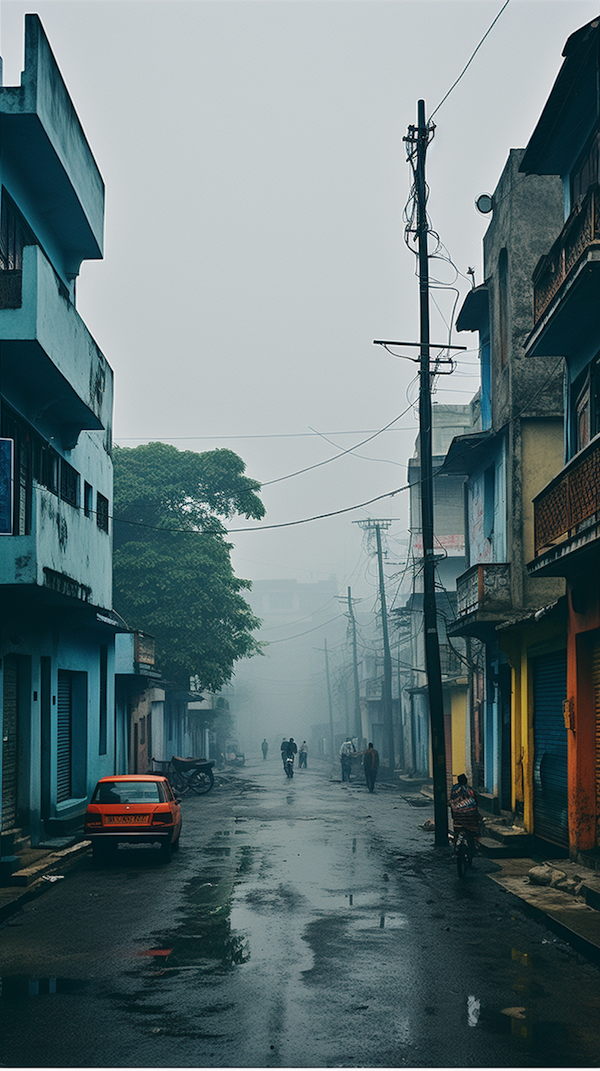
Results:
x,y
568,916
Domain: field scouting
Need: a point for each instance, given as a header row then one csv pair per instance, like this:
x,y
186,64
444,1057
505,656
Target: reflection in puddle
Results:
x,y
473,1010
520,957
19,986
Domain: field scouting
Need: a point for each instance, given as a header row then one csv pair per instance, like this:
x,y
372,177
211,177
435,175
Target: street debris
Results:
x,y
52,877
428,826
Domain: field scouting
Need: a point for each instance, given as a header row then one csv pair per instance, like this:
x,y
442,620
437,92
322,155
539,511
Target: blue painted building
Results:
x,y
57,631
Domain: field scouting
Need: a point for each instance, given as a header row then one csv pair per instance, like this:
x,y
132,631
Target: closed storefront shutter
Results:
x,y
64,734
9,743
550,800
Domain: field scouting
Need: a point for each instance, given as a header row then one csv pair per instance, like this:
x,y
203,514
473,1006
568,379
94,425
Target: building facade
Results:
x,y
56,393
566,325
506,463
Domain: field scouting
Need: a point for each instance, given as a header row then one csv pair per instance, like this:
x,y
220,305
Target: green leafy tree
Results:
x,y
172,569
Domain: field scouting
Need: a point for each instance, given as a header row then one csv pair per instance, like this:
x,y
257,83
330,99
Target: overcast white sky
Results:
x,y
255,183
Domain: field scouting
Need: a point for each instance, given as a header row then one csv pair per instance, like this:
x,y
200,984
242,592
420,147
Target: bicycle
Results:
x,y
188,775
465,849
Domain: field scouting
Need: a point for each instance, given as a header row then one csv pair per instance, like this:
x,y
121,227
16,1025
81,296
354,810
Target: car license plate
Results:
x,y
127,819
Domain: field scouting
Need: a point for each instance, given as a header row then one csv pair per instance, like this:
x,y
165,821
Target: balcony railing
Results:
x,y
572,498
580,233
484,587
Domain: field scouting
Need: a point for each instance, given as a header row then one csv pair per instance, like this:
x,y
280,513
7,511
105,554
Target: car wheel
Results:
x,y
165,851
175,844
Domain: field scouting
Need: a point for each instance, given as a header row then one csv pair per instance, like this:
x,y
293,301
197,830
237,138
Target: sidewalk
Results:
x,y
40,869
568,915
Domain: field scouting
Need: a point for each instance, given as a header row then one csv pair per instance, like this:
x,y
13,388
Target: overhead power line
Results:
x,y
468,64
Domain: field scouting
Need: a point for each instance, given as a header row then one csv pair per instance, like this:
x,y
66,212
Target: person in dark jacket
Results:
x,y
371,766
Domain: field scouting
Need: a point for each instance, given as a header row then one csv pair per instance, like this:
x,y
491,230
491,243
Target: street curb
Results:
x,y
37,887
580,916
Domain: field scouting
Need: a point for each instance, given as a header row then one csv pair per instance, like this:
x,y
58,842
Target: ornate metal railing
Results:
x,y
484,587
580,232
572,498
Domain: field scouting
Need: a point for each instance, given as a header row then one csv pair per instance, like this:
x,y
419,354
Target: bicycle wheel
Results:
x,y
462,859
202,781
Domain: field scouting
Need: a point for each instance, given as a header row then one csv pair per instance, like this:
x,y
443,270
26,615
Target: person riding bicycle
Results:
x,y
463,804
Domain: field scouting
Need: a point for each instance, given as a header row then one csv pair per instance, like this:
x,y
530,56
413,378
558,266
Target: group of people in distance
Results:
x,y
370,762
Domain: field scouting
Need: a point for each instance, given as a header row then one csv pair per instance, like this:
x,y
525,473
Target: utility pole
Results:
x,y
387,658
357,717
330,705
419,138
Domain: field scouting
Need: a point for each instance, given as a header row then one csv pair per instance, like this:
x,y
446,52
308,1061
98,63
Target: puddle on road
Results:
x,y
20,986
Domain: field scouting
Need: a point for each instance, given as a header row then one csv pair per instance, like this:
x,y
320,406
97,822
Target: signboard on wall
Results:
x,y
7,452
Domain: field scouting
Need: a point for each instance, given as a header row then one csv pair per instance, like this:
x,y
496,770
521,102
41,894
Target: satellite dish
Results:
x,y
484,203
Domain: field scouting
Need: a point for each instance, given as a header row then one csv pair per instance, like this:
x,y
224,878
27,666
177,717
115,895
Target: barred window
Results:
x,y
69,483
14,234
102,512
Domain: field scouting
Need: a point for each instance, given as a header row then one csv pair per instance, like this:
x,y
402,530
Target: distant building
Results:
x,y
56,394
449,545
506,462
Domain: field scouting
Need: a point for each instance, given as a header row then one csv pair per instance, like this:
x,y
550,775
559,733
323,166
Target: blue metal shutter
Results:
x,y
550,799
63,737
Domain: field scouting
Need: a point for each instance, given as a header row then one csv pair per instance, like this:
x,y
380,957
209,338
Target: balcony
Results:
x,y
51,367
65,559
566,285
43,138
483,598
567,513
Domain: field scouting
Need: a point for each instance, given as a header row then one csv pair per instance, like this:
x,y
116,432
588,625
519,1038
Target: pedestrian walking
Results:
x,y
265,748
302,755
371,766
347,750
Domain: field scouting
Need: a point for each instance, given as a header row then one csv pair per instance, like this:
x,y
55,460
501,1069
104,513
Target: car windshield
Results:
x,y
127,792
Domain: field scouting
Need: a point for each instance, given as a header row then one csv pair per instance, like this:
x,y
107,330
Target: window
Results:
x,y
102,512
14,235
88,499
69,483
586,407
503,305
489,501
585,173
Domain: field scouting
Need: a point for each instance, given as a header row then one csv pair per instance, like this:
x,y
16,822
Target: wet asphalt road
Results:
x,y
302,924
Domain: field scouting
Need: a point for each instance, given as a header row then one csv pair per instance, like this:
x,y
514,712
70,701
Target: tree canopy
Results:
x,y
173,575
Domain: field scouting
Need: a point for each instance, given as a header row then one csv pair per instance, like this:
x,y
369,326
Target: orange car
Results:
x,y
133,808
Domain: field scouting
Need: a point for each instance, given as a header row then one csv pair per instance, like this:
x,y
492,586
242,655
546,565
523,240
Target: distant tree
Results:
x,y
172,570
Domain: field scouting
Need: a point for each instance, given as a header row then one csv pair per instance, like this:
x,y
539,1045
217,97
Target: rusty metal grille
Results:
x,y
580,232
551,515
584,487
573,499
